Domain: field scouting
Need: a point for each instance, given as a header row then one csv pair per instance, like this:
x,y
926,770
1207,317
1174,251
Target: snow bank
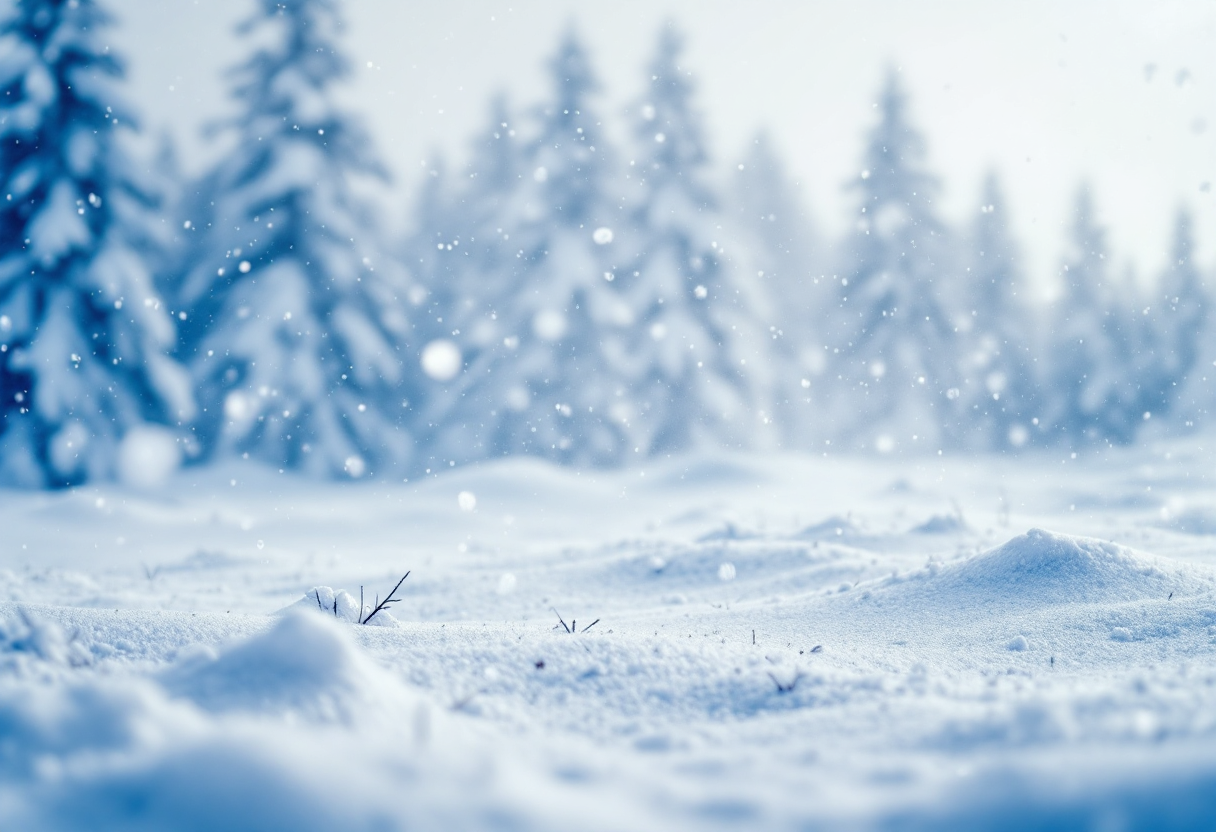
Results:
x,y
835,527
1040,567
883,677
29,644
304,665
942,524
292,729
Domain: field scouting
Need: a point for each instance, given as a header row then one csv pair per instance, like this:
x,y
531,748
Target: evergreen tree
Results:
x,y
296,328
1178,324
696,336
998,391
83,331
546,384
470,271
780,237
171,227
459,246
433,250
894,372
1093,375
782,249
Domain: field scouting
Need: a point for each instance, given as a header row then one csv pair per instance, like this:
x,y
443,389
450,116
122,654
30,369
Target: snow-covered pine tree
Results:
x,y
998,398
779,235
1092,376
697,345
781,247
492,196
172,187
469,270
437,225
296,329
1178,327
545,382
84,333
895,370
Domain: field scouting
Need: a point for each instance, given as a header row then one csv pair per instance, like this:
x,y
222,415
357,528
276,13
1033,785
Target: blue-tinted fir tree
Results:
x,y
1093,372
1183,349
83,330
891,379
436,233
469,267
998,389
296,330
696,341
540,379
781,248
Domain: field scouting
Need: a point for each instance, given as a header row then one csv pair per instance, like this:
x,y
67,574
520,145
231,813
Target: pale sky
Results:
x,y
1119,93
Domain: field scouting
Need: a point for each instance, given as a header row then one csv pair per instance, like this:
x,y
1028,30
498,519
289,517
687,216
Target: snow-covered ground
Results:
x,y
779,643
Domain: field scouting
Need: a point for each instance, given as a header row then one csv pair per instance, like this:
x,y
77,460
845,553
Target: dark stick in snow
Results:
x,y
388,600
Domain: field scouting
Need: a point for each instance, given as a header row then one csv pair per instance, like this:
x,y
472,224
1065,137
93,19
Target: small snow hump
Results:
x,y
304,664
1042,567
834,527
942,524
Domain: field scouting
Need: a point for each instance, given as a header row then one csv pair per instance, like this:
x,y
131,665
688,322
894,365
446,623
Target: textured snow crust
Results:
x,y
759,643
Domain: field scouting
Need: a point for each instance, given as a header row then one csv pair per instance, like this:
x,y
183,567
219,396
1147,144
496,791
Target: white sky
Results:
x,y
1046,92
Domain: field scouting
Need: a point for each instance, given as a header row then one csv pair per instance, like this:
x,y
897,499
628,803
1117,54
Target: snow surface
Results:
x,y
759,643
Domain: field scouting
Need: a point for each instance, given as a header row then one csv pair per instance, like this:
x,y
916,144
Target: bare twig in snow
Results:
x,y
388,600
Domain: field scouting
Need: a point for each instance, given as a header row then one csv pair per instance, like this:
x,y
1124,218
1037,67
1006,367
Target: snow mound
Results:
x,y
712,471
27,643
305,664
942,524
728,531
220,743
835,528
1041,567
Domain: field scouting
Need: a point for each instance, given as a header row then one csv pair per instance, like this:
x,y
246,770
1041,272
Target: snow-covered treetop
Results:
x,y
894,163
56,119
995,272
570,149
495,149
670,127
297,330
285,85
1085,269
83,330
